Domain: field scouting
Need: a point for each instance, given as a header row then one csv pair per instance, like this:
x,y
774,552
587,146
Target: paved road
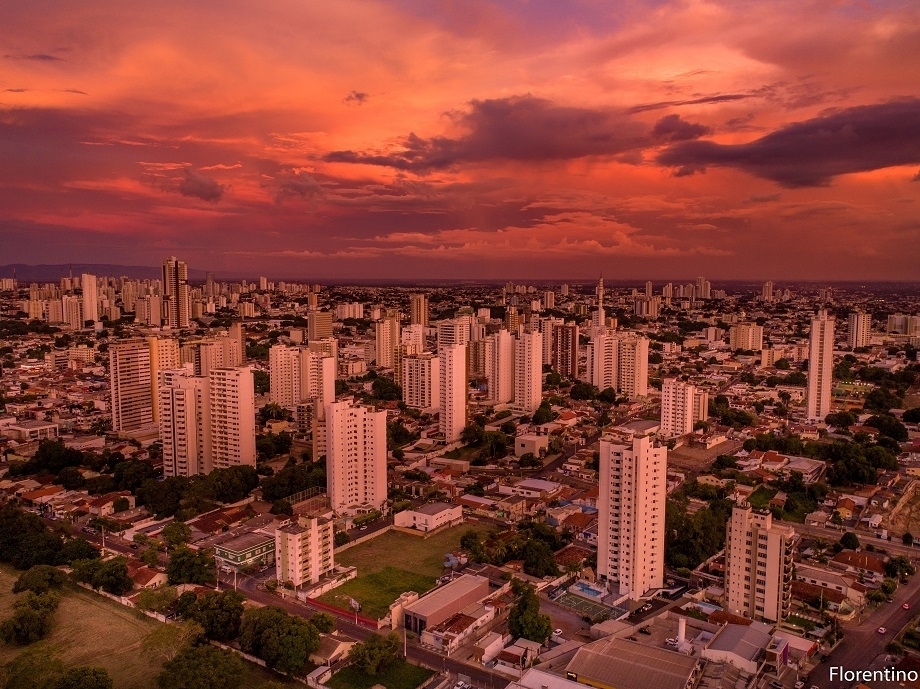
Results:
x,y
862,643
895,547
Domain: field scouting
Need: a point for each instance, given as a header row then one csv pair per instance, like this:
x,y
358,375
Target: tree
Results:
x,y
889,586
377,653
84,678
202,667
176,534
539,561
911,415
323,621
849,541
219,614
284,642
876,596
543,414
888,425
112,577
77,549
158,600
32,618
340,538
166,641
583,391
273,412
261,381
907,538
40,579
525,620
120,505
472,434
187,566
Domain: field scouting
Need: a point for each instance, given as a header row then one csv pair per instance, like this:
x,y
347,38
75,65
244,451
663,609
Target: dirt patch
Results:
x,y
697,458
906,519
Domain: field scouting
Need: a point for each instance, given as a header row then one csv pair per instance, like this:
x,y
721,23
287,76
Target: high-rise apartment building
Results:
x,y
164,355
631,508
177,299
859,329
304,551
565,350
233,417
603,352
599,320
455,331
766,293
820,368
453,382
90,298
632,366
183,403
131,386
73,311
421,380
500,359
418,309
682,405
319,325
528,371
387,340
546,326
747,336
297,374
356,457
758,565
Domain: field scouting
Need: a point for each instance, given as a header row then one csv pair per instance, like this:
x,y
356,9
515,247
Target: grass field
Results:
x,y
91,630
761,497
392,564
400,675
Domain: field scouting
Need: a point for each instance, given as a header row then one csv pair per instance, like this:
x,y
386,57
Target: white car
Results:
x,y
671,642
557,633
800,684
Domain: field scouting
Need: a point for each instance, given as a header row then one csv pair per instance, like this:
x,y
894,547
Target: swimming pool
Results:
x,y
583,588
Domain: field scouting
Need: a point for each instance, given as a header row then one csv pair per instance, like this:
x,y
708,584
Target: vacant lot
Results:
x,y
697,458
400,675
392,564
377,590
92,630
412,553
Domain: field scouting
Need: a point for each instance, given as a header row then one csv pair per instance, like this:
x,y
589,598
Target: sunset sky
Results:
x,y
465,138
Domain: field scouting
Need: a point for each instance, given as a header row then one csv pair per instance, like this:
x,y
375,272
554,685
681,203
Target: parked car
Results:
x,y
557,633
906,606
882,630
645,630
800,684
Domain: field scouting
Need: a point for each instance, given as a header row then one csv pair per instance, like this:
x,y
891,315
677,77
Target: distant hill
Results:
x,y
53,273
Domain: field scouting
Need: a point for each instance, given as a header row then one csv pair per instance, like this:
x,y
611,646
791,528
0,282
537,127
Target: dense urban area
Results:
x,y
218,483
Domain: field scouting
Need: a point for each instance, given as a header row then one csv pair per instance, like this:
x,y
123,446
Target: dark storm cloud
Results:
x,y
201,186
672,128
356,98
719,98
523,128
35,57
295,183
811,153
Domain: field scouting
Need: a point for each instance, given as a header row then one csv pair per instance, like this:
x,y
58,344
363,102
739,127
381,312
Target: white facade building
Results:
x,y
500,366
232,413
820,368
859,329
421,380
304,551
452,400
682,405
528,371
356,457
758,565
631,510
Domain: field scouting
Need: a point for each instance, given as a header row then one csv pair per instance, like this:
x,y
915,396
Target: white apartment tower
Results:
x,y
820,368
90,298
387,340
183,401
632,366
745,336
231,394
500,360
528,371
599,320
682,405
177,299
418,309
356,457
758,565
297,374
131,385
631,509
421,380
859,329
452,400
603,353
164,355
304,551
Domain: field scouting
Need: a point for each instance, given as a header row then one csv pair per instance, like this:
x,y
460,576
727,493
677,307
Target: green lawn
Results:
x,y
761,497
377,590
392,564
400,675
92,630
412,553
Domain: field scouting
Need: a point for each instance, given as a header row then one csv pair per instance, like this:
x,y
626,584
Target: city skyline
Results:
x,y
517,140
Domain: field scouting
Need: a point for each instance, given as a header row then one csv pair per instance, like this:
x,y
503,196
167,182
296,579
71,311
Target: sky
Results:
x,y
516,139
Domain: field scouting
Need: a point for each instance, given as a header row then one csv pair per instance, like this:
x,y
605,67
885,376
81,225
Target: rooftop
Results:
x,y
437,599
626,665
